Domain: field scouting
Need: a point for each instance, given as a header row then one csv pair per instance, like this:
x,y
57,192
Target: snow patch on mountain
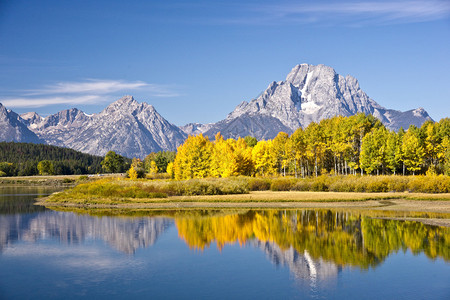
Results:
x,y
309,94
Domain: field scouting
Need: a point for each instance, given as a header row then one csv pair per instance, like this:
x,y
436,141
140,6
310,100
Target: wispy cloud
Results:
x,y
90,91
46,101
93,86
348,13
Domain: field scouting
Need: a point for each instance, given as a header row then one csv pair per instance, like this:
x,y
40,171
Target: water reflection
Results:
x,y
317,246
301,265
124,234
343,238
316,243
20,199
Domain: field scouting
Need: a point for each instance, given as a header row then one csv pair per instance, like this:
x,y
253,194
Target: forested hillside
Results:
x,y
23,159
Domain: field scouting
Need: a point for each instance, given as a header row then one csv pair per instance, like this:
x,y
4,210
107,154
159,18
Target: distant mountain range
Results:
x,y
309,94
130,128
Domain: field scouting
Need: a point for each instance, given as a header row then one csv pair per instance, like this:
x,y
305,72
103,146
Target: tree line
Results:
x,y
357,144
26,159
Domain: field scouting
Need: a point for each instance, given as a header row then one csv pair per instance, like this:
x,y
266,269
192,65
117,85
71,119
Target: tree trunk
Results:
x,y
295,167
335,168
315,165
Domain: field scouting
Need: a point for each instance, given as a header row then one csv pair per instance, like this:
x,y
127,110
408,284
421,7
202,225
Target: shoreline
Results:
x,y
401,208
391,205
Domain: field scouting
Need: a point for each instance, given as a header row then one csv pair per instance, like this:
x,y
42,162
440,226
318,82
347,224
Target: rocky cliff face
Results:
x,y
127,127
59,128
309,94
13,129
130,128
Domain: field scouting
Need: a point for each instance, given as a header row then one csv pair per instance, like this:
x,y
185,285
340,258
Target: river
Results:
x,y
220,254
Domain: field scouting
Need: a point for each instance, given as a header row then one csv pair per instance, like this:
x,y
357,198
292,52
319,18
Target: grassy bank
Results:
x,y
122,192
53,180
63,180
115,185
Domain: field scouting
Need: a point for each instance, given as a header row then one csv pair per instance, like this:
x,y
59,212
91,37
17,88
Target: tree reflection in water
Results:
x,y
343,238
314,244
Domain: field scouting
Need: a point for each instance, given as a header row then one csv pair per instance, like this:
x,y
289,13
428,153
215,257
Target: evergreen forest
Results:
x,y
25,159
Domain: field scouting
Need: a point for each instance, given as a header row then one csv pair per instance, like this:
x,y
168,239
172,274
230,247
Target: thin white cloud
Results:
x,y
45,101
91,91
364,13
92,86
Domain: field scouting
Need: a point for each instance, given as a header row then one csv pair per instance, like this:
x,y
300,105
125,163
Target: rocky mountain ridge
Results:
x,y
130,128
308,94
12,129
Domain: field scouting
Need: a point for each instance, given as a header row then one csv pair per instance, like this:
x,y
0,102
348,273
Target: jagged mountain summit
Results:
x,y
13,129
308,94
130,128
58,128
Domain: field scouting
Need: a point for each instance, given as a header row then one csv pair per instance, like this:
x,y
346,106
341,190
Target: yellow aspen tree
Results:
x,y
170,169
280,145
264,159
153,168
193,158
244,162
216,169
132,173
412,150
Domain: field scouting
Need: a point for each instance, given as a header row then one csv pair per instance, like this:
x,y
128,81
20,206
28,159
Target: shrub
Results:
x,y
398,184
68,180
259,184
320,184
212,186
301,185
343,184
83,178
430,184
282,184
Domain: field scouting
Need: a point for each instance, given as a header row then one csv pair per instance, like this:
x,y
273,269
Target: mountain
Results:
x,y
31,118
13,129
195,128
127,127
308,94
58,128
260,126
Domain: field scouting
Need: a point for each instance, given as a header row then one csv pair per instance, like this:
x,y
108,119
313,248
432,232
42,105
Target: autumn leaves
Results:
x,y
340,145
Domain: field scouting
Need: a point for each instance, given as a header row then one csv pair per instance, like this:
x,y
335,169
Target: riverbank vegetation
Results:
x,y
111,191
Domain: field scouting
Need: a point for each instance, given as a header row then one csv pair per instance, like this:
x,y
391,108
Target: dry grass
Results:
x,y
295,196
259,196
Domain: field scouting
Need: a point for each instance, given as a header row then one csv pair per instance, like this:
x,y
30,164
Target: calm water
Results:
x,y
216,254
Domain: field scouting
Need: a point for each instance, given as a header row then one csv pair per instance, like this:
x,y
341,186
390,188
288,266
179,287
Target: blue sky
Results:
x,y
196,60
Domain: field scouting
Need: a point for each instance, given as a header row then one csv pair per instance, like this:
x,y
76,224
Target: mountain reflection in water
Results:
x,y
124,234
315,245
